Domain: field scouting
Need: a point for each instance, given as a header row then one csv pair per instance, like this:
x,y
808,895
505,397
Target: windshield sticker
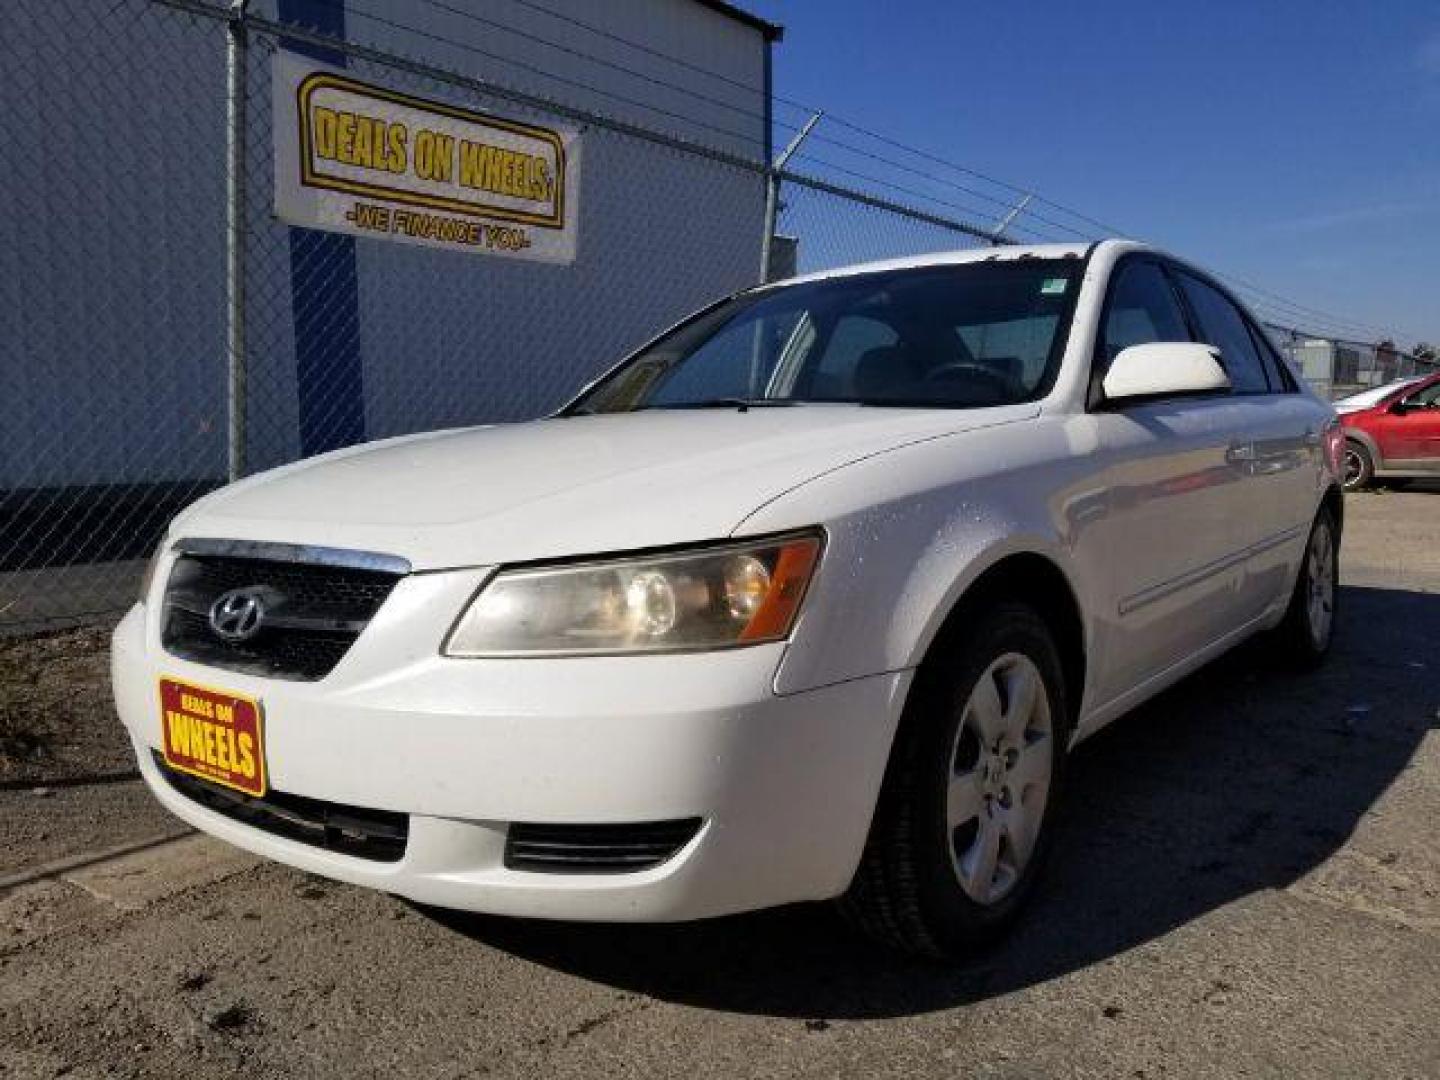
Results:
x,y
1054,286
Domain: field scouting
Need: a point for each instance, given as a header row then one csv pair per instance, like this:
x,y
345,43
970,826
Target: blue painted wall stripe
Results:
x,y
325,290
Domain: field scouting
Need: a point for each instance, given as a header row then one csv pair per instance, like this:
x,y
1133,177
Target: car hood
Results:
x,y
560,487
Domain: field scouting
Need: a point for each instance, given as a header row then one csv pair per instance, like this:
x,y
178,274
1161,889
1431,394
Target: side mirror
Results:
x,y
1400,408
1165,369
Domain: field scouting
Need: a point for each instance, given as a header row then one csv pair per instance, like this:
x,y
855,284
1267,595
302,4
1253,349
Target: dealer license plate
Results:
x,y
217,735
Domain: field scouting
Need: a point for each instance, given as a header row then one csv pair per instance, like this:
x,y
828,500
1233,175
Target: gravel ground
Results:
x,y
1248,883
56,723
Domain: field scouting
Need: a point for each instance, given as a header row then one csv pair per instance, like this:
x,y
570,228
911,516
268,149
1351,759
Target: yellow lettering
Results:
x,y
504,172
395,152
434,155
364,148
424,153
445,157
345,138
469,163
246,762
199,706
179,727
324,129
494,169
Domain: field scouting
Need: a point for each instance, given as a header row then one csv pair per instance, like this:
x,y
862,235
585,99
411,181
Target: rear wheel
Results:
x,y
1309,624
1359,466
963,820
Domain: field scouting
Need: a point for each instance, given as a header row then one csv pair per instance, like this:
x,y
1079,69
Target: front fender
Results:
x,y
895,567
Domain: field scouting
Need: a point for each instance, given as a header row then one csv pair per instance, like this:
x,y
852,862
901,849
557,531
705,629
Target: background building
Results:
x,y
115,309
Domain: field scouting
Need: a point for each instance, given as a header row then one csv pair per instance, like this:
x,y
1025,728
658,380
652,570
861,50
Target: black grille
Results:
x,y
378,835
313,613
579,849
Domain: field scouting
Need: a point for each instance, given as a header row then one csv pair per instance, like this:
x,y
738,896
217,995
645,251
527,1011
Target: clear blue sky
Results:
x,y
1292,144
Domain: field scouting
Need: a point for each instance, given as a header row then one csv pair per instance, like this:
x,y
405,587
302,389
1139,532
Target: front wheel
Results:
x,y
963,820
1309,624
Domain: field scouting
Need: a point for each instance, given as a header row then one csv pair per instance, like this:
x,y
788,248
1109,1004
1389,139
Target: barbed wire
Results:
x,y
1274,301
577,84
810,109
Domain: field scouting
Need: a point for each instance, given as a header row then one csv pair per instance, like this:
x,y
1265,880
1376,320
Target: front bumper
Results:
x,y
785,785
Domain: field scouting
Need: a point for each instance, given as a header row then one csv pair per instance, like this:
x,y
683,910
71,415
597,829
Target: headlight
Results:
x,y
714,598
148,578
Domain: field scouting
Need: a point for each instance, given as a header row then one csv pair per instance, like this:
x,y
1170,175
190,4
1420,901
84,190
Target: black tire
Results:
x,y
907,891
1301,643
1359,467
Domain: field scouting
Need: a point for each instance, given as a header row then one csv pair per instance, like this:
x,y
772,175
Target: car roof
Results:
x,y
1002,253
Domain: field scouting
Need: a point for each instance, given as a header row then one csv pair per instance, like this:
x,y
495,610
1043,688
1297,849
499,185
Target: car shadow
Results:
x,y
1239,779
1408,485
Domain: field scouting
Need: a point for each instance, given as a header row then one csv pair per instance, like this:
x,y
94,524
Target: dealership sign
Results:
x,y
357,158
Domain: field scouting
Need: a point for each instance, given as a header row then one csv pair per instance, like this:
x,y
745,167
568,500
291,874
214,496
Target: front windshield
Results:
x,y
958,336
1377,394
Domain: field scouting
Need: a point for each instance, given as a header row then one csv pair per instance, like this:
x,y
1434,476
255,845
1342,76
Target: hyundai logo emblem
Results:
x,y
237,615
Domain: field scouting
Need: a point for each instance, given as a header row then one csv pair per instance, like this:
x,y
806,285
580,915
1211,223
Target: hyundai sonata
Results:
x,y
807,599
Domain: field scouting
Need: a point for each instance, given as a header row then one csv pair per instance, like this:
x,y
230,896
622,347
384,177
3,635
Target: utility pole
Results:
x,y
236,90
997,235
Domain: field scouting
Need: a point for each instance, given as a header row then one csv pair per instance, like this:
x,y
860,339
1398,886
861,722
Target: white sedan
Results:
x,y
807,599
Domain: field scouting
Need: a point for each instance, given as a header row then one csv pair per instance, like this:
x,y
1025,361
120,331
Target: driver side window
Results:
x,y
1143,308
1429,398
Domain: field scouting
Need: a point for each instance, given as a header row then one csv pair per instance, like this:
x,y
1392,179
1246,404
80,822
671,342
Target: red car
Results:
x,y
1397,437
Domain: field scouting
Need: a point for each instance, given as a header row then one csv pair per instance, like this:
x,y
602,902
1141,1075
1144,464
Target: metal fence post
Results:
x,y
998,236
772,194
236,58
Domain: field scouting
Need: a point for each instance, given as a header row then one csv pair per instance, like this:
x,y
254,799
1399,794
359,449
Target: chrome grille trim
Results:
x,y
596,849
268,551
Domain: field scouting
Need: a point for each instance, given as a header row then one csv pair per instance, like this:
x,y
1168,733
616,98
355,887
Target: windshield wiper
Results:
x,y
728,403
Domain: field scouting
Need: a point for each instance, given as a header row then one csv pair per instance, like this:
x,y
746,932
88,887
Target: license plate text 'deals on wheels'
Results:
x,y
215,735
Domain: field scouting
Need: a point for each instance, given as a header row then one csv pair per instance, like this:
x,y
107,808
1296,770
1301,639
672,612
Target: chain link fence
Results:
x,y
1337,366
825,225
113,388
165,332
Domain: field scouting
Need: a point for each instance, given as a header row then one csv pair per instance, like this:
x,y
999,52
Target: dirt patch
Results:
x,y
57,721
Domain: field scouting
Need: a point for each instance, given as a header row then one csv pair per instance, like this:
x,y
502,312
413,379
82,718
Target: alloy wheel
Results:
x,y
1320,584
1354,468
999,778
